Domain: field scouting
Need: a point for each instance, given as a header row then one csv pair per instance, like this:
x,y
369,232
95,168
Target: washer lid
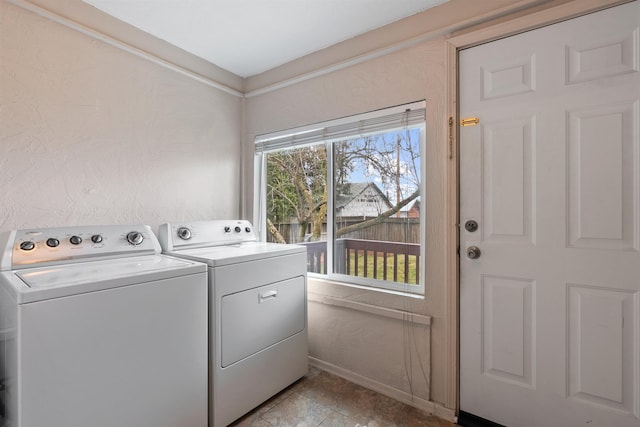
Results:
x,y
36,284
240,252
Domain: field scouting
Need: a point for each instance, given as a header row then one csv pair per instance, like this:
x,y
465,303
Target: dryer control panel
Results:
x,y
195,234
59,245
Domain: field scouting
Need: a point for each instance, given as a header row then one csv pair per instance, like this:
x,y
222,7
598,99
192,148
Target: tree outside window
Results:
x,y
361,225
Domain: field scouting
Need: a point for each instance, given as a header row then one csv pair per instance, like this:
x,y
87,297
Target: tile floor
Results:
x,y
326,400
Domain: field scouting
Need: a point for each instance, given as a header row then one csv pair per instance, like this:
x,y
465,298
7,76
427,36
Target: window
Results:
x,y
350,191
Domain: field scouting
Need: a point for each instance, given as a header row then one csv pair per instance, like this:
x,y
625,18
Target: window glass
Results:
x,y
352,201
376,206
296,194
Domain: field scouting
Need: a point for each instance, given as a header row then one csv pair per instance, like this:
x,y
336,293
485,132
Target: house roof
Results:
x,y
411,204
351,190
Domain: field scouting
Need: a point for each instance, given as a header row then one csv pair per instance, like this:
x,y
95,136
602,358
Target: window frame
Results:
x,y
260,191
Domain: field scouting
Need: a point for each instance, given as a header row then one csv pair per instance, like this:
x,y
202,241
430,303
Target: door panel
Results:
x,y
596,320
550,329
508,329
602,209
507,180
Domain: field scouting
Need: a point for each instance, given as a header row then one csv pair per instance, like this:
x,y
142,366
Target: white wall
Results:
x,y
91,134
369,336
371,347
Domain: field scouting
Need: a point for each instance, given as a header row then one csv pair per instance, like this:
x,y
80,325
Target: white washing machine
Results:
x,y
98,329
258,311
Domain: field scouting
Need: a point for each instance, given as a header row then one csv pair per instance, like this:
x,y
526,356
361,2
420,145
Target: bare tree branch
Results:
x,y
379,219
277,237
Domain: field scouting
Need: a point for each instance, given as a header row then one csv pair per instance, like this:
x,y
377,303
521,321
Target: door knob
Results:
x,y
473,252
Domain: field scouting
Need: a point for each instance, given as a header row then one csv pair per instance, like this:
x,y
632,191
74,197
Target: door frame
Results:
x,y
502,27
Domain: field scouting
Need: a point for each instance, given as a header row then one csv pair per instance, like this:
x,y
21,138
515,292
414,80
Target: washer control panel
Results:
x,y
46,246
205,233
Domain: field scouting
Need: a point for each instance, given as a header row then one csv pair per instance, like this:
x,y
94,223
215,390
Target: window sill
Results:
x,y
372,309
386,302
365,286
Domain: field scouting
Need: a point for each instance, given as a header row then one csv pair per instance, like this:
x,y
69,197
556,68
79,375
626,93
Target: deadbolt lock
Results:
x,y
473,252
471,226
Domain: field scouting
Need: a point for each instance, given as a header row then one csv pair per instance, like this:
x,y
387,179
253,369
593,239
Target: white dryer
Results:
x,y
258,311
97,328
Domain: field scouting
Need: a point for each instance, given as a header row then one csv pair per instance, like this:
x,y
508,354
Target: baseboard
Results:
x,y
469,420
399,395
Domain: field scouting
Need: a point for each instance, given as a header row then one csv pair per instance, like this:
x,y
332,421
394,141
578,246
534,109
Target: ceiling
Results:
x,y
248,37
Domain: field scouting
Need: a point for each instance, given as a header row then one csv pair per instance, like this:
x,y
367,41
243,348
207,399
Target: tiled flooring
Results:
x,y
323,399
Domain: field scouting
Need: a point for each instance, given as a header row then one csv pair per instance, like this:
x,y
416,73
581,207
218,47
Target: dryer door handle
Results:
x,y
266,296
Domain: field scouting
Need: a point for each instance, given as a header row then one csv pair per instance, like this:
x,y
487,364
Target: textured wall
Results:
x,y
386,353
408,75
90,134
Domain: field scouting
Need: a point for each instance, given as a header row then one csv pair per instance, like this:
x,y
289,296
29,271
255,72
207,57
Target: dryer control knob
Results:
x,y
96,238
27,246
237,229
247,229
52,243
75,240
135,238
184,233
227,229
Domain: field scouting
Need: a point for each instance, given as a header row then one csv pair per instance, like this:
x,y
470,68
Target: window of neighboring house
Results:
x,y
349,190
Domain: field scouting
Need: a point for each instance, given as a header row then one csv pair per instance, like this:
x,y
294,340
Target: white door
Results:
x,y
550,310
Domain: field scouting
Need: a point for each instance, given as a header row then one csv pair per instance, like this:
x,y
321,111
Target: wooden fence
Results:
x,y
392,230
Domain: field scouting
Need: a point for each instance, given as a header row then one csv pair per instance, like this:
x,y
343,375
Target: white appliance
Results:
x,y
258,311
98,329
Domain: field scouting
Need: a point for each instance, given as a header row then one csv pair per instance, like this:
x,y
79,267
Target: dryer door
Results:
x,y
257,318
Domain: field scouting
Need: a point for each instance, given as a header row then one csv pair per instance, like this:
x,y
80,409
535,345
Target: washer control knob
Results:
x,y
27,246
247,229
227,229
184,233
52,243
237,229
96,238
75,240
135,238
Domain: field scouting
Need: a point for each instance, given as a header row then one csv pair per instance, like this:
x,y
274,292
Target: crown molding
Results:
x,y
134,50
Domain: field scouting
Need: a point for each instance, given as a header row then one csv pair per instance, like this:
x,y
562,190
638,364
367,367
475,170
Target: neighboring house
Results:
x,y
411,210
361,199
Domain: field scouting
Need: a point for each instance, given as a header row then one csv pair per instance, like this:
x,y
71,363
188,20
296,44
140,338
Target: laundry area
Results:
x,y
319,212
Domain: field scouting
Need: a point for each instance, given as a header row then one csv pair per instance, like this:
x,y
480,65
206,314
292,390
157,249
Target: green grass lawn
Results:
x,y
380,267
